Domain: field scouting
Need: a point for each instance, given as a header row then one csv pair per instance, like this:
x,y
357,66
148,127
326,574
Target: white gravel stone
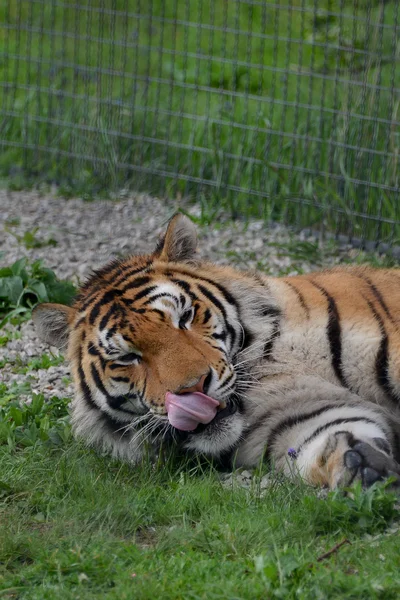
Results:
x,y
247,480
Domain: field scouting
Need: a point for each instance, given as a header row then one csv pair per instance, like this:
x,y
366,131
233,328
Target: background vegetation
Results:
x,y
294,123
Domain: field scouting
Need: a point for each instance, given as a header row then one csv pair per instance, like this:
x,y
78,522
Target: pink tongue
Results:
x,y
186,411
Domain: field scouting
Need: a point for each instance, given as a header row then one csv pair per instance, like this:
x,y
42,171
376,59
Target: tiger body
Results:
x,y
305,368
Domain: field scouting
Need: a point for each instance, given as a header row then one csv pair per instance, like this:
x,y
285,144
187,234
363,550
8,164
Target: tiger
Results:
x,y
300,372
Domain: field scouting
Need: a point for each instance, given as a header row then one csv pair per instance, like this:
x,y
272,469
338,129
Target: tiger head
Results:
x,y
148,328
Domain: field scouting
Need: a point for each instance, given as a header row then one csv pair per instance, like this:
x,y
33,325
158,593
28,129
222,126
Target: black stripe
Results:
x,y
113,366
207,316
159,313
130,272
161,295
116,264
87,396
108,297
111,331
326,426
105,318
138,282
128,357
185,286
139,296
247,339
334,334
269,344
220,306
227,296
97,380
378,296
94,313
107,420
231,376
79,322
396,445
121,379
269,311
232,333
128,302
144,293
86,298
215,347
292,421
95,352
300,298
213,299
114,402
225,293
382,357
219,336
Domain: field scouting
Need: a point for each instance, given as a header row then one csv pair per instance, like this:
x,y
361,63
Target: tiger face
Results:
x,y
145,328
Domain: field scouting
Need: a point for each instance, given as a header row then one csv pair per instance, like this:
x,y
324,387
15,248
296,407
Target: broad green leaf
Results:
x,y
19,269
36,404
17,415
38,288
62,292
11,288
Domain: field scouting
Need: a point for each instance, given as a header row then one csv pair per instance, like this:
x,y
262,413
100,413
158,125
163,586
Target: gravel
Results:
x,y
73,237
85,235
246,479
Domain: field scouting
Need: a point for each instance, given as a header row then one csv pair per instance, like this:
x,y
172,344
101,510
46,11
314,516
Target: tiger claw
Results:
x,y
374,463
382,444
358,460
352,459
369,476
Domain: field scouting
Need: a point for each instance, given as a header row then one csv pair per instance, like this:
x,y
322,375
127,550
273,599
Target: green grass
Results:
x,y
24,285
76,525
117,121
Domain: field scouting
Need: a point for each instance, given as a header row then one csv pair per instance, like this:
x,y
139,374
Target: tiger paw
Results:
x,y
346,459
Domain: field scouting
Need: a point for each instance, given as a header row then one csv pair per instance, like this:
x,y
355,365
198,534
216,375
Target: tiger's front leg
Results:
x,y
343,459
324,433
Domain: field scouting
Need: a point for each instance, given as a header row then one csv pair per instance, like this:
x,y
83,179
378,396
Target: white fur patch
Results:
x,y
213,443
308,456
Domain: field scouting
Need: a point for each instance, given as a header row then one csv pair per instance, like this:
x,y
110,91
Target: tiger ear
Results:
x,y
179,243
52,322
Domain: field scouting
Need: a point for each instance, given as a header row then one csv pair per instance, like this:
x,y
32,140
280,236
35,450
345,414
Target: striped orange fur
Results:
x,y
305,368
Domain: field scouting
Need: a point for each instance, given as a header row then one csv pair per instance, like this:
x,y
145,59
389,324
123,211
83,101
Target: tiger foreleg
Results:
x,y
343,459
327,435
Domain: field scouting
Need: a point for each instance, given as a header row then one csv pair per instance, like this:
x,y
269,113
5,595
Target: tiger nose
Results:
x,y
196,387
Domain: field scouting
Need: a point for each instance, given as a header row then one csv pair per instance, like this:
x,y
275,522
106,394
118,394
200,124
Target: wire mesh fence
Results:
x,y
284,110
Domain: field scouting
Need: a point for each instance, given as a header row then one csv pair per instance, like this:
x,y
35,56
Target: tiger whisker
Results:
x,y
162,431
252,347
147,428
132,424
151,431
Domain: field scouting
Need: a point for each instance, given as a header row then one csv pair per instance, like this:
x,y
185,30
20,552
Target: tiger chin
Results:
x,y
300,371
